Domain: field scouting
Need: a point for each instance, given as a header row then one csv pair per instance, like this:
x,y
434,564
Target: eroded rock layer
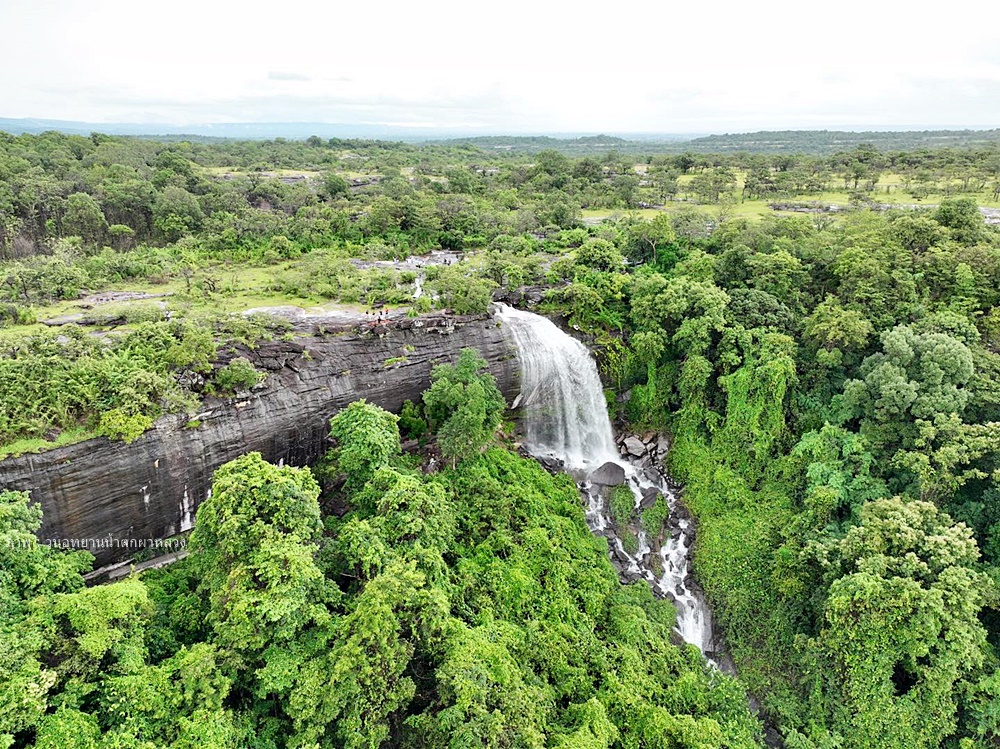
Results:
x,y
121,494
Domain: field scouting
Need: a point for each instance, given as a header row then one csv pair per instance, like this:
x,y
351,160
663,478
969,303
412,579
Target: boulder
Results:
x,y
550,464
636,447
649,497
620,555
609,474
662,444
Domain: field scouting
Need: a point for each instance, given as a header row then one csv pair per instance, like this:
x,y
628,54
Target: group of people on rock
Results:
x,y
381,315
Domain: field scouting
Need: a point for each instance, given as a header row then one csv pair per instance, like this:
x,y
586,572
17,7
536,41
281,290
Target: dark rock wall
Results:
x,y
151,488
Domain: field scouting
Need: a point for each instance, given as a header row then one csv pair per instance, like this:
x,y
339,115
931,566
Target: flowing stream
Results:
x,y
565,421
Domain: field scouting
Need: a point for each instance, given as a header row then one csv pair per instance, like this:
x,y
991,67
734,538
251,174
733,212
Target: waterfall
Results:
x,y
562,401
565,418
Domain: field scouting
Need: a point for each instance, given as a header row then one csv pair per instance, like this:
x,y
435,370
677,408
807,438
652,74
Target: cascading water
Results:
x,y
562,401
565,418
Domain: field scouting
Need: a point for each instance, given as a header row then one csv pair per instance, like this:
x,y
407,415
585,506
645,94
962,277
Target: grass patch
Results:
x,y
654,517
39,445
218,171
630,541
622,505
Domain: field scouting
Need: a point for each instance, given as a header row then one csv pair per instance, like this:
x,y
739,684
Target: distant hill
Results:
x,y
572,144
815,142
579,146
233,130
569,142
831,141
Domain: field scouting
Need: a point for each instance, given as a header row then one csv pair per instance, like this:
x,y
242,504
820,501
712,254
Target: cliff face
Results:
x,y
109,496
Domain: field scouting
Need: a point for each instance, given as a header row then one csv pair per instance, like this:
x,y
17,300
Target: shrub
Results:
x,y
622,505
411,421
238,375
464,405
118,424
653,517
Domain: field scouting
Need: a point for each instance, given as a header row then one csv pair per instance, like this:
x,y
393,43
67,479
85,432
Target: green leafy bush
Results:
x,y
652,518
622,505
118,424
240,374
411,421
463,405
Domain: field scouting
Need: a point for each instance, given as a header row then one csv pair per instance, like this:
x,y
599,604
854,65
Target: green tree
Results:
x,y
875,274
463,405
335,186
780,274
256,539
917,233
367,439
600,254
29,568
837,332
652,241
84,218
751,308
240,374
962,217
947,454
916,377
684,311
126,198
709,186
29,571
459,290
176,212
901,624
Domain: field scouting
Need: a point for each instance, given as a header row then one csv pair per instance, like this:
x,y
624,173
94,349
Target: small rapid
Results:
x,y
565,422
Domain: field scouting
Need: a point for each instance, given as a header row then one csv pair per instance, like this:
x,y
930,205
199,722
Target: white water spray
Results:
x,y
565,418
564,413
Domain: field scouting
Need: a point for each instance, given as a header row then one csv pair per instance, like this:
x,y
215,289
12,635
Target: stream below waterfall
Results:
x,y
565,423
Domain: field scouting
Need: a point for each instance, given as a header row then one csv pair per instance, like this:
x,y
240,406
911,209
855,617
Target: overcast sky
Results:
x,y
516,66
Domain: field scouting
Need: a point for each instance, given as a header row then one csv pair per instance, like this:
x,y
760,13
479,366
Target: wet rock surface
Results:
x,y
649,497
634,447
649,449
609,474
150,489
523,296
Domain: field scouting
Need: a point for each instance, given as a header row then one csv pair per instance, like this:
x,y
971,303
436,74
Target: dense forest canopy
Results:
x,y
819,334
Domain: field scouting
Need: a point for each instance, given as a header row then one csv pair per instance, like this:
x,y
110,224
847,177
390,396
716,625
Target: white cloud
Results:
x,y
633,66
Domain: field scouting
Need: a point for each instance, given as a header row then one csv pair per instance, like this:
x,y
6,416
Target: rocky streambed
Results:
x,y
650,532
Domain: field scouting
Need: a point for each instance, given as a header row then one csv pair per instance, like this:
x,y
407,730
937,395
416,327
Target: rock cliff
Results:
x,y
112,497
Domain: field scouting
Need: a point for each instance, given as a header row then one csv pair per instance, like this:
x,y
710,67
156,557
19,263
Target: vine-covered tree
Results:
x,y
901,624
